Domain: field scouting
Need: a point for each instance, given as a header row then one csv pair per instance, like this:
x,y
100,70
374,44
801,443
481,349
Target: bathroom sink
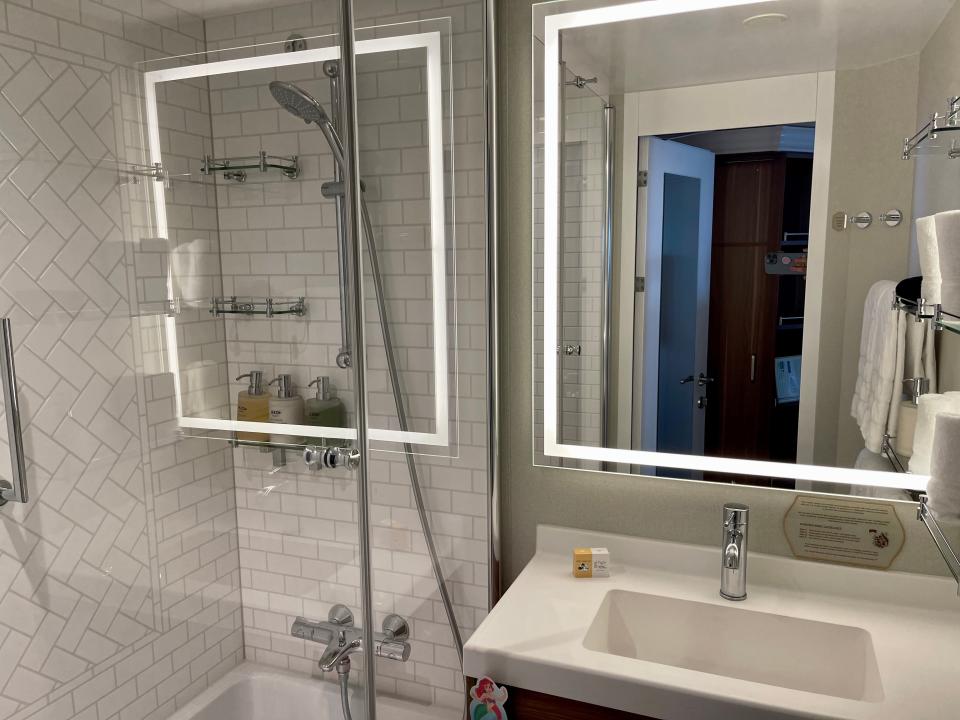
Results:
x,y
728,640
812,641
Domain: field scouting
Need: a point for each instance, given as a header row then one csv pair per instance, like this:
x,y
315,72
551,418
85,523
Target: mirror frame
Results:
x,y
554,23
429,41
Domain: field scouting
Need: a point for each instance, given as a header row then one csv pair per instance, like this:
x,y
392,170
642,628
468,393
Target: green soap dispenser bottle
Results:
x,y
326,411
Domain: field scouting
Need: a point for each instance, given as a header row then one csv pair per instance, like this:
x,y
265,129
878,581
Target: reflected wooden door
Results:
x,y
748,223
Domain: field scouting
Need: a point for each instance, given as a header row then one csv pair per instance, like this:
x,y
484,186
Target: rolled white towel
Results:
x,y
948,253
929,258
929,408
944,485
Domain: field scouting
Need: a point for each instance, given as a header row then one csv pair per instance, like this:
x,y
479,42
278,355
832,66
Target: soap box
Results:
x,y
591,562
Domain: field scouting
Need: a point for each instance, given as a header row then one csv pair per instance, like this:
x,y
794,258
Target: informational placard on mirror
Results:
x,y
847,531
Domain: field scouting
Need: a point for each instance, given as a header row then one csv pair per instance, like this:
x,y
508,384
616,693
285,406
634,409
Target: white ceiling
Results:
x,y
714,45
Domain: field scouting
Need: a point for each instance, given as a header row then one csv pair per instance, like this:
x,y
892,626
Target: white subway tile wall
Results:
x,y
580,276
298,530
581,267
120,582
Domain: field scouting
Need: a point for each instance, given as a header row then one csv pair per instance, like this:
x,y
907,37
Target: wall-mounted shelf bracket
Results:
x,y
886,447
925,515
131,173
929,136
923,310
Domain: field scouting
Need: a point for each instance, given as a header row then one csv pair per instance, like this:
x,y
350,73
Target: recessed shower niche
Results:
x,y
241,213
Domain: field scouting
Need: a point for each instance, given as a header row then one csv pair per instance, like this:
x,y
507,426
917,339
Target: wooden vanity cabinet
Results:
x,y
530,705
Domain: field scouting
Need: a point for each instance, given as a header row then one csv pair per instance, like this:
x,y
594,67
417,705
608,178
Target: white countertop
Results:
x,y
533,638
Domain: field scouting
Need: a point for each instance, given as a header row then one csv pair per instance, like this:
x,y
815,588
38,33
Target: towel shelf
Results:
x,y
922,310
934,136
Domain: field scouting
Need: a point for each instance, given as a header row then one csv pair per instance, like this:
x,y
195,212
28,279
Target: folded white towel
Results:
x,y
877,372
929,258
944,485
929,409
948,254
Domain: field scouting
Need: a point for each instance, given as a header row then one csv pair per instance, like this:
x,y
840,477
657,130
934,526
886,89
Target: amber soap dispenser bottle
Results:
x,y
253,405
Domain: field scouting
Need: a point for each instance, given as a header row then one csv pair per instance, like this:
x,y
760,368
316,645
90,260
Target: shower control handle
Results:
x,y
340,615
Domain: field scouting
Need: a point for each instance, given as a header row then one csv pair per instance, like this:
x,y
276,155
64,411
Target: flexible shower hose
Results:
x,y
345,694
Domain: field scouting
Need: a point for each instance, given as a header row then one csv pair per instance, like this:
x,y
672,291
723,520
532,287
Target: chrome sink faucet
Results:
x,y
343,639
733,547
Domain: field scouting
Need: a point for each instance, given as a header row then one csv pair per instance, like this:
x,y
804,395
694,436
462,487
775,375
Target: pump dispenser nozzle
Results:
x,y
323,387
284,384
256,381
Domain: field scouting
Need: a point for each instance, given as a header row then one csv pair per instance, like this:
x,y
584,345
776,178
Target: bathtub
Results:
x,y
255,692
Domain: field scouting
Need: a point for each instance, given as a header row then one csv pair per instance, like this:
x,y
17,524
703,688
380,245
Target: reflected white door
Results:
x,y
673,255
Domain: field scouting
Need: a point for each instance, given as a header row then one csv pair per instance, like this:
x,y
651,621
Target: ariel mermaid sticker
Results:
x,y
487,701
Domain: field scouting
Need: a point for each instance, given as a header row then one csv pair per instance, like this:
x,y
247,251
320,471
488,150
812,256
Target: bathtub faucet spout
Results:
x,y
340,649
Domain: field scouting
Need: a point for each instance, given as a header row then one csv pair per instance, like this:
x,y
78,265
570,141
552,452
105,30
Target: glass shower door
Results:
x,y
422,125
257,337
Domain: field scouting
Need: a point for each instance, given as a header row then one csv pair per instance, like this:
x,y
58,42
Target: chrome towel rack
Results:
x,y
14,489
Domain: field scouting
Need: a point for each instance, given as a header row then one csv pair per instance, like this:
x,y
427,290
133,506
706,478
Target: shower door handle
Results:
x,y
16,488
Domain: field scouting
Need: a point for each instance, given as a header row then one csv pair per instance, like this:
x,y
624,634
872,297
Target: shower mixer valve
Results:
x,y
344,639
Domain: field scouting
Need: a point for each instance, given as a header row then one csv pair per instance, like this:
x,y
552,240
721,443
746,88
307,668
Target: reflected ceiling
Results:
x,y
718,47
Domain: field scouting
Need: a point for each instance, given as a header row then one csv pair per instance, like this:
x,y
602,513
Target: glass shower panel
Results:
x,y
582,161
421,131
244,219
582,285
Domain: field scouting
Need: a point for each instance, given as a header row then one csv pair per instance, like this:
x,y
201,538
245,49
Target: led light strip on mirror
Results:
x,y
431,43
553,25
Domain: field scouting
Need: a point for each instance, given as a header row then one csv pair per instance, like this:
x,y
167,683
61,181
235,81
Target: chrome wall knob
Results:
x,y
396,628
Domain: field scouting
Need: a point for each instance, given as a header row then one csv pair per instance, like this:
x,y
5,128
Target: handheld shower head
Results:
x,y
298,102
301,104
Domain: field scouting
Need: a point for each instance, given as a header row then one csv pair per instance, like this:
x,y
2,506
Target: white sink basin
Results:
x,y
811,641
728,640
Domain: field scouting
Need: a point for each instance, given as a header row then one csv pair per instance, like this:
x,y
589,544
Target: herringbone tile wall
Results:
x,y
119,581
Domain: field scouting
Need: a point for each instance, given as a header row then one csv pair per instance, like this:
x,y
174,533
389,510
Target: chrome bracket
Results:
x,y
925,515
331,458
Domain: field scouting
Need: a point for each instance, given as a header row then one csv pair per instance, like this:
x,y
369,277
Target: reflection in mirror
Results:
x,y
738,258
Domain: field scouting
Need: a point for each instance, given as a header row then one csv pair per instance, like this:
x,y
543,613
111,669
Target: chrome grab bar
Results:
x,y
16,488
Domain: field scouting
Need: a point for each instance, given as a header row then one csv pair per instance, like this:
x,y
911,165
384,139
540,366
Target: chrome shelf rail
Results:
x,y
250,306
236,168
922,310
886,447
930,133
925,515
